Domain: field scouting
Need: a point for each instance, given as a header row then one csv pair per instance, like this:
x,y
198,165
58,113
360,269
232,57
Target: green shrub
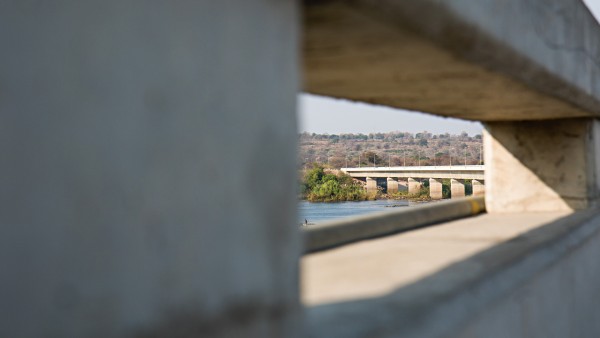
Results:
x,y
319,186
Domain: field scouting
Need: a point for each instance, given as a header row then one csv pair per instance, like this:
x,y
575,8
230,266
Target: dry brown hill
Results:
x,y
385,149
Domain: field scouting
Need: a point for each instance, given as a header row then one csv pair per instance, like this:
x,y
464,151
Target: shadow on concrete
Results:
x,y
541,165
445,302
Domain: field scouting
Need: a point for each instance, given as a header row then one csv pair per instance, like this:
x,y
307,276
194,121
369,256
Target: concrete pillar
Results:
x,y
392,185
402,185
371,184
124,129
435,189
478,188
414,186
457,188
542,165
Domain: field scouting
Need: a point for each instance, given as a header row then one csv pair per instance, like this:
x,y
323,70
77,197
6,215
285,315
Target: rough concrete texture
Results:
x,y
511,275
560,301
371,184
377,267
392,185
542,166
483,60
123,127
457,189
414,186
478,188
435,189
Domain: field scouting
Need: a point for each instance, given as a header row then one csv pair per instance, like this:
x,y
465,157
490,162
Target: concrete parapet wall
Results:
x,y
124,127
557,297
517,54
537,277
335,233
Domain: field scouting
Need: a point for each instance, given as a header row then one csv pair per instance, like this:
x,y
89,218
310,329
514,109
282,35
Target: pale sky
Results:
x,y
319,114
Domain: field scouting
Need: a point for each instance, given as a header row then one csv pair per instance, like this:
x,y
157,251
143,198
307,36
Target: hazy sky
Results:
x,y
319,114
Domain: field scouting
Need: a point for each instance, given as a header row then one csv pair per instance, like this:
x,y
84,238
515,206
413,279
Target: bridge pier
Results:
x,y
435,189
371,184
457,188
392,185
478,188
414,186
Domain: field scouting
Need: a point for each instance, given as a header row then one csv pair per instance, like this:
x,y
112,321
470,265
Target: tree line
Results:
x,y
389,149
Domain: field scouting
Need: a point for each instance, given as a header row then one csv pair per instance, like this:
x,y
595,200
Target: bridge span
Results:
x,y
394,179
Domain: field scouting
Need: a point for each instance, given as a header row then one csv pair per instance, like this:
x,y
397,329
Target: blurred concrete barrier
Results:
x,y
335,233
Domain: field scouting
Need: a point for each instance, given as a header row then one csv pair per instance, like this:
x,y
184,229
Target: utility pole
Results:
x,y
465,157
404,154
359,160
390,160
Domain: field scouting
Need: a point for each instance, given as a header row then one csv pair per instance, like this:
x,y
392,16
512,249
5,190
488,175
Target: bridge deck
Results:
x,y
475,172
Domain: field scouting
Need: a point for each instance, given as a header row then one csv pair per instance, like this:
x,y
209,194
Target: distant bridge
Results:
x,y
409,178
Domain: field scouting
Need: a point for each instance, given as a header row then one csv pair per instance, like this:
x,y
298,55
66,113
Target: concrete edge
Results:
x,y
440,304
345,231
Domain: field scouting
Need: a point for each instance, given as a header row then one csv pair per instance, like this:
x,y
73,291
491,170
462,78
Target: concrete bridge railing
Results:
x,y
133,136
410,178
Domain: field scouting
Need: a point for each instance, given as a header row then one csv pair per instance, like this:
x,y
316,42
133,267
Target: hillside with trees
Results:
x,y
389,149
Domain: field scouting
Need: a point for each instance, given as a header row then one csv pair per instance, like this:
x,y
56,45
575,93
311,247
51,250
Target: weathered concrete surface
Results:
x,y
123,127
459,172
392,185
371,184
542,166
414,186
457,189
376,267
478,188
511,275
435,189
481,60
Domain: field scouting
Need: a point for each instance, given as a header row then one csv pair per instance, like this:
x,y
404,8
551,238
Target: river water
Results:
x,y
319,212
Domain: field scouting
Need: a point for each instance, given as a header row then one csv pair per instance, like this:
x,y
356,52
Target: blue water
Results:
x,y
318,212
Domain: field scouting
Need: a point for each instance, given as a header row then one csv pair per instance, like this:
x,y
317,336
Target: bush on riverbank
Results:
x,y
320,186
